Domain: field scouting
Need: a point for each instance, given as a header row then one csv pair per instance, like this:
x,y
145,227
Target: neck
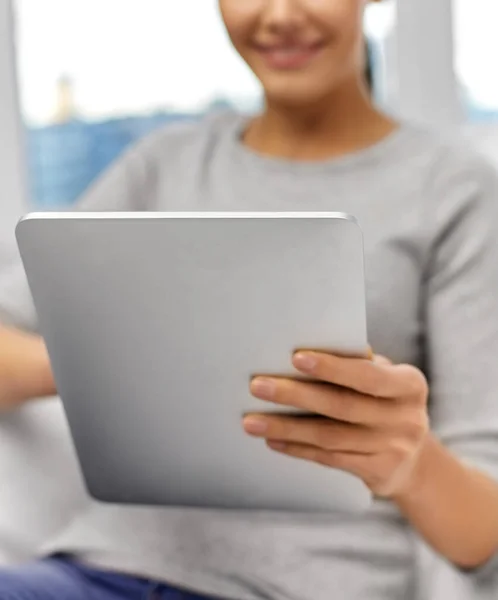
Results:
x,y
344,122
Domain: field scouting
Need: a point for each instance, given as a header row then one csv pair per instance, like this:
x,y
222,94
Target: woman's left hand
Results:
x,y
376,421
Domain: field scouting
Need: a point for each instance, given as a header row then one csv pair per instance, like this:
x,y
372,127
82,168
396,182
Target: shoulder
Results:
x,y
141,178
456,179
460,211
450,158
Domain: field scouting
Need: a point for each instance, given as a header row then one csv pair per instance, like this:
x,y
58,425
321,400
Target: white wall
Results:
x,y
427,89
13,189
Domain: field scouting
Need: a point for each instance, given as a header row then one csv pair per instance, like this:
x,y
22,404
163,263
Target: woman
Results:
x,y
428,211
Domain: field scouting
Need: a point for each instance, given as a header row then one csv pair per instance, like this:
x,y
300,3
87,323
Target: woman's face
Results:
x,y
301,50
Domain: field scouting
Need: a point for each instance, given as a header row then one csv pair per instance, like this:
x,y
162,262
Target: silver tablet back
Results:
x,y
155,323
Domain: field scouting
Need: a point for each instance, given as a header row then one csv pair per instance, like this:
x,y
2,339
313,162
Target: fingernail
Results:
x,y
264,389
255,426
305,362
277,446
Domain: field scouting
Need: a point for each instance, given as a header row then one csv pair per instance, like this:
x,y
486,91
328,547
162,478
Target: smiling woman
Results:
x,y
84,105
419,428
292,67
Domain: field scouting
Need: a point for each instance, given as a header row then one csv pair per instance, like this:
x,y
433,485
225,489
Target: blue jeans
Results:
x,y
62,579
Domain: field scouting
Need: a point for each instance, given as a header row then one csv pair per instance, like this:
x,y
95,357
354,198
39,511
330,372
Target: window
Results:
x,y
476,49
380,24
96,75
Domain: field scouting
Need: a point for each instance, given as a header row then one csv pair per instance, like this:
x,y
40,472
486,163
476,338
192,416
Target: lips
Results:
x,y
289,56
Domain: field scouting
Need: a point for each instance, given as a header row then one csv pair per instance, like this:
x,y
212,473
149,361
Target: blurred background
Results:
x,y
93,76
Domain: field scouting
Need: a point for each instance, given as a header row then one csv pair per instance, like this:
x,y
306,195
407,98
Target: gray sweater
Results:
x,y
429,211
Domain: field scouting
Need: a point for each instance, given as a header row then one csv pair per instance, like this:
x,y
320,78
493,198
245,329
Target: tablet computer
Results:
x,y
155,324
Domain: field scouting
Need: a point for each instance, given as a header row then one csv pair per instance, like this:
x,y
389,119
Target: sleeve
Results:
x,y
461,292
128,185
461,314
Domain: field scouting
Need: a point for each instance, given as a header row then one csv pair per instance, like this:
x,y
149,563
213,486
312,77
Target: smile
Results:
x,y
289,57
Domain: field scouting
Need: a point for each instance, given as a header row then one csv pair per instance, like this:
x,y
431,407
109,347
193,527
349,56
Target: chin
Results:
x,y
295,97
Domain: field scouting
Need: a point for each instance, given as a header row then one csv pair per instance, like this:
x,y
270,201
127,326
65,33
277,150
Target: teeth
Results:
x,y
288,52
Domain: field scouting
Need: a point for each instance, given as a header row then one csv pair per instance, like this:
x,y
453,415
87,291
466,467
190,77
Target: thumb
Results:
x,y
378,359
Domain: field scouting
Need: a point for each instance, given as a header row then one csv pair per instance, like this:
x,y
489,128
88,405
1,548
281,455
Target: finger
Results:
x,y
378,358
373,378
382,360
356,464
321,433
326,400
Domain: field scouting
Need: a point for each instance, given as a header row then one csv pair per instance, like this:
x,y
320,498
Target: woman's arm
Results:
x,y
454,499
453,506
25,371
377,428
379,414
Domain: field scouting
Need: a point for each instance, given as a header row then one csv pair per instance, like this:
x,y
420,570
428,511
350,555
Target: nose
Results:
x,y
283,16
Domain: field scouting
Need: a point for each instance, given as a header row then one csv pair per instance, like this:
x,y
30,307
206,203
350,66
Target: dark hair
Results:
x,y
369,65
